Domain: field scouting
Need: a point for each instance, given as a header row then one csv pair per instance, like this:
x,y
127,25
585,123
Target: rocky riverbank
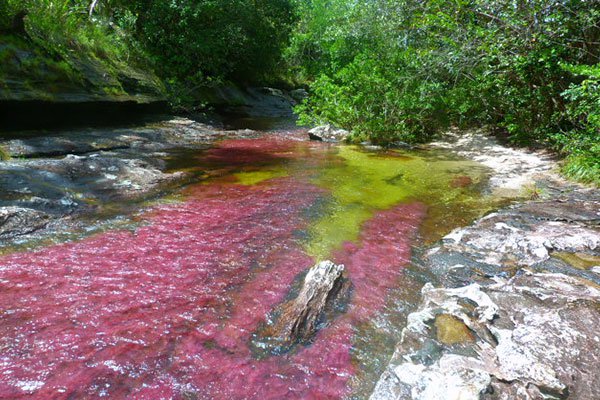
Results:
x,y
50,180
511,306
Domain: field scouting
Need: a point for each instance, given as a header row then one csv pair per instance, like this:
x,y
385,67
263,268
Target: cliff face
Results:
x,y
30,73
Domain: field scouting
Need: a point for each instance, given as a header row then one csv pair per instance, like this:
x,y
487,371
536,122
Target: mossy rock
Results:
x,y
4,154
451,330
31,72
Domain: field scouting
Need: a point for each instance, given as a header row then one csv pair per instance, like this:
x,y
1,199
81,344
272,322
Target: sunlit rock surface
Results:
x,y
297,321
15,221
536,337
514,168
327,133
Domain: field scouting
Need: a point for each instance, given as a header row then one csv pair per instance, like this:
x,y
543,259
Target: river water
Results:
x,y
166,310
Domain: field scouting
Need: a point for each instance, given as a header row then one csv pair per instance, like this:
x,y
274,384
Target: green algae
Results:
x,y
366,182
578,260
451,330
250,178
4,154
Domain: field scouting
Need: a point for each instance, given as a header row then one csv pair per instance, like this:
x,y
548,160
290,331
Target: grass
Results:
x,y
583,168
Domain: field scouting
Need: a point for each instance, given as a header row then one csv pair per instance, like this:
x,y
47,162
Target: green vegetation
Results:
x,y
188,43
403,70
388,70
63,27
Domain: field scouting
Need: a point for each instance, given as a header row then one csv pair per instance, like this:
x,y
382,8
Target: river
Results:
x,y
166,306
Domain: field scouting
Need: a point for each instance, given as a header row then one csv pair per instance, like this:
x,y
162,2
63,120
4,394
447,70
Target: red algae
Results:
x,y
167,311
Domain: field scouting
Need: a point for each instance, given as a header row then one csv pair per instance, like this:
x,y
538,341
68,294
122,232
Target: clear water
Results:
x,y
166,311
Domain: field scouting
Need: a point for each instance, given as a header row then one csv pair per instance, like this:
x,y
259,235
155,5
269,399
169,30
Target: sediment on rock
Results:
x,y
296,321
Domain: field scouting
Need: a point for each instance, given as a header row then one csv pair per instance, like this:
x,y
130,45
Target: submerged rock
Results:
x,y
534,337
327,133
297,320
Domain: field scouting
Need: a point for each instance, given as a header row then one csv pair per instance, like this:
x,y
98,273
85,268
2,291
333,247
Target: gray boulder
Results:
x,y
327,133
16,221
531,337
298,95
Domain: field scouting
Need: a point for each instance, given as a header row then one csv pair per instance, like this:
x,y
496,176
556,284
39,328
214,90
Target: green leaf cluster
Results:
x,y
406,69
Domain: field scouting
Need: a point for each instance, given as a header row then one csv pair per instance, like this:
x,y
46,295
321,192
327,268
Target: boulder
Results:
x,y
531,337
296,321
327,133
298,95
521,237
16,221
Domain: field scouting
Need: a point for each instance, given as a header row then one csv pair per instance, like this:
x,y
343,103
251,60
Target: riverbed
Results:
x,y
164,303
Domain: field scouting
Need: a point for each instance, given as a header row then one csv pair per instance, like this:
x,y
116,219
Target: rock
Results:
x,y
107,175
451,330
299,95
296,321
257,102
74,79
520,239
533,338
16,221
581,210
94,167
512,169
326,133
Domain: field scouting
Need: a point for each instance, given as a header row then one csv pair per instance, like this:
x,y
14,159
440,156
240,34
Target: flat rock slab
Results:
x,y
64,174
531,337
296,321
17,221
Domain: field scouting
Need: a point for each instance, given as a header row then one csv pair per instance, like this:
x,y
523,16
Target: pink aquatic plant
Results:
x,y
167,311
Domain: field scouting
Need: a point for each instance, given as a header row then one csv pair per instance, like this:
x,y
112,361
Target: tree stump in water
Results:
x,y
296,321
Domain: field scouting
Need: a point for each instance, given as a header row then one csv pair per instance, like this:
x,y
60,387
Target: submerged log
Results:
x,y
296,321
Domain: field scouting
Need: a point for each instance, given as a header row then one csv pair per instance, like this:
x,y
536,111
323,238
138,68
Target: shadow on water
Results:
x,y
39,117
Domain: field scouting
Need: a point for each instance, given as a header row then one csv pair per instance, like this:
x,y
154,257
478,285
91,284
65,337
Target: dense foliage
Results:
x,y
182,40
388,70
405,69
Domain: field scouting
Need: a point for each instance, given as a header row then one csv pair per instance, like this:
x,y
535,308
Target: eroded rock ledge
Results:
x,y
530,337
517,304
52,178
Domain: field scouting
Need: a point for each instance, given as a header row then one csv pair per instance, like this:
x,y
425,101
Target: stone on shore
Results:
x,y
534,337
327,133
17,221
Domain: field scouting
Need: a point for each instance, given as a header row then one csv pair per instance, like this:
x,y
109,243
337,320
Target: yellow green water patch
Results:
x,y
255,177
367,182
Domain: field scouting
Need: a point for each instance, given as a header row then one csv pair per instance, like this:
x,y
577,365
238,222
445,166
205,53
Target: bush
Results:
x,y
390,70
